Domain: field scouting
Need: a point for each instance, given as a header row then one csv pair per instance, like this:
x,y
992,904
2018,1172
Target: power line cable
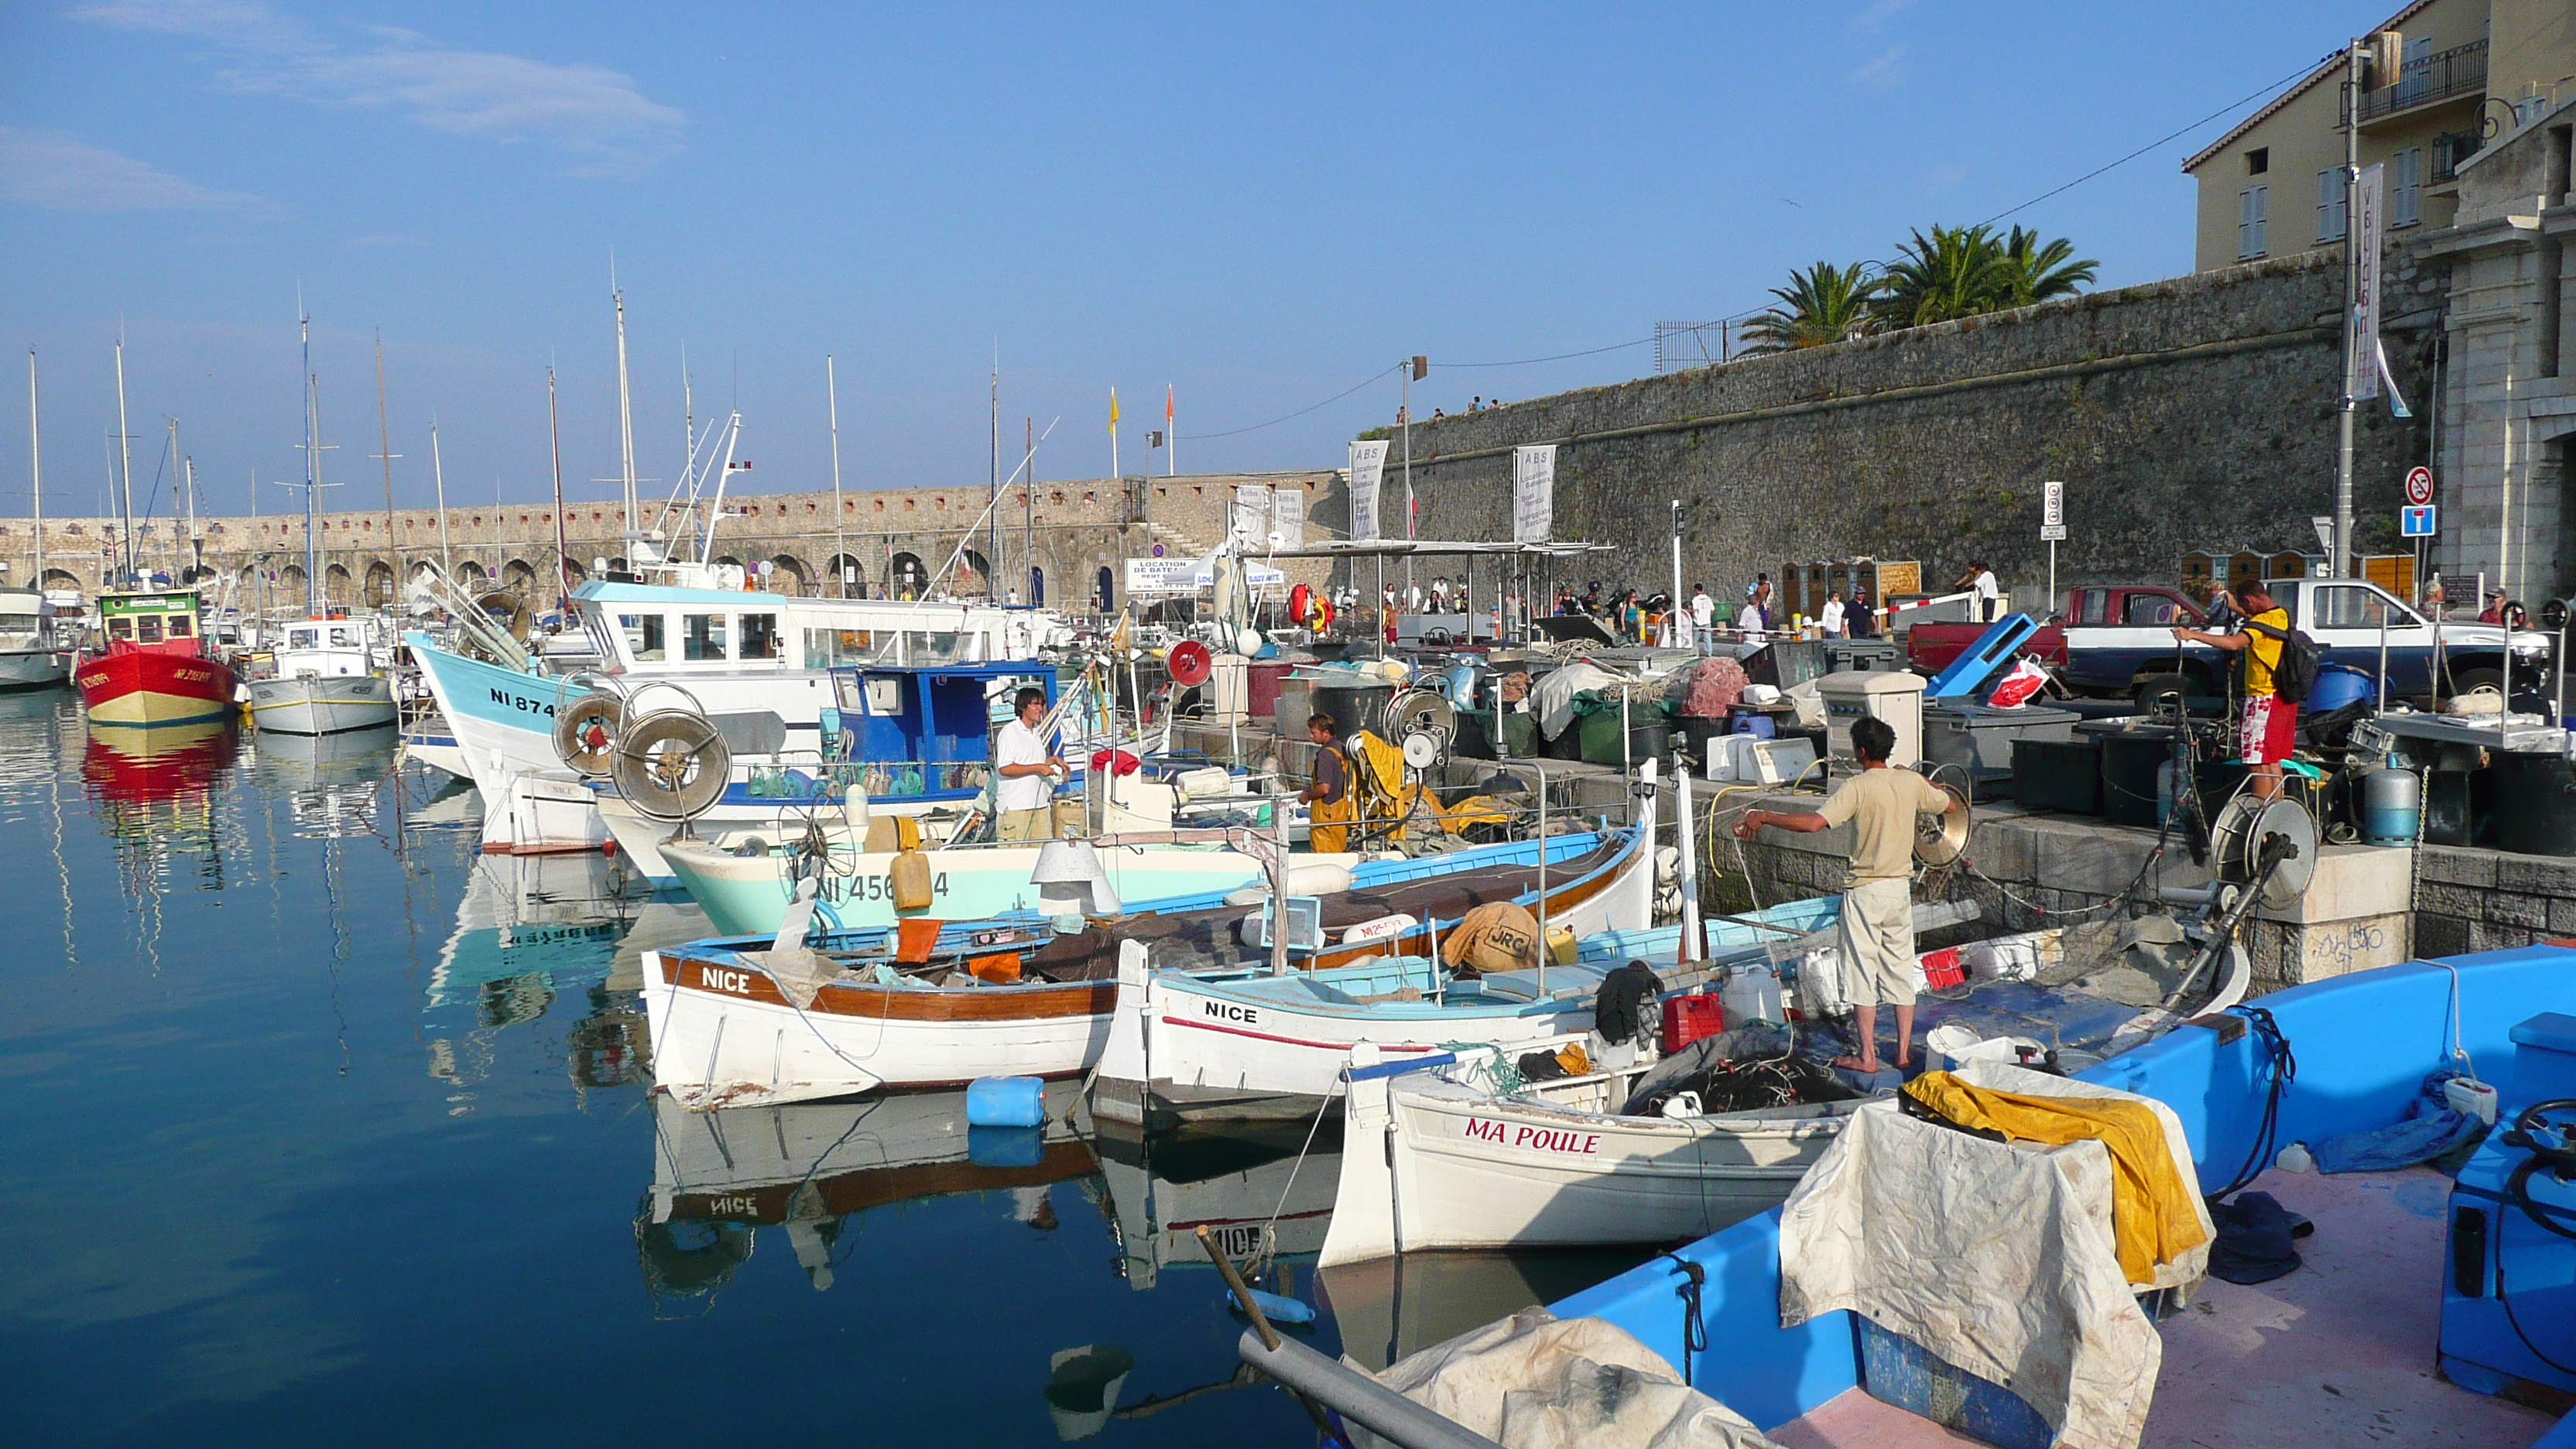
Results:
x,y
1557,357
1301,412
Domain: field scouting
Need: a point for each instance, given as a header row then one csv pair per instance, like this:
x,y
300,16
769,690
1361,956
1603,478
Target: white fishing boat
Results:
x,y
1438,1154
325,676
742,1020
35,649
1250,1043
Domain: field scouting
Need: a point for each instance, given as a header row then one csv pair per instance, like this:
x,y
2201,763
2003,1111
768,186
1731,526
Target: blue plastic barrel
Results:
x,y
2338,685
1006,1102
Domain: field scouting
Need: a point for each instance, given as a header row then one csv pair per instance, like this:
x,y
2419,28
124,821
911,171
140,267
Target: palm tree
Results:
x,y
2035,273
1954,272
1822,304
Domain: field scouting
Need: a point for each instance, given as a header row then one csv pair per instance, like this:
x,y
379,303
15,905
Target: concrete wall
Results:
x,y
1070,530
2486,900
2191,414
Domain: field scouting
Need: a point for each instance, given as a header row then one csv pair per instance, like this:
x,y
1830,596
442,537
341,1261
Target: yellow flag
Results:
x,y
1113,410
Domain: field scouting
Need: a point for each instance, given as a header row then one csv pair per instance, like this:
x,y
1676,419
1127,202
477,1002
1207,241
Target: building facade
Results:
x,y
2441,81
1060,543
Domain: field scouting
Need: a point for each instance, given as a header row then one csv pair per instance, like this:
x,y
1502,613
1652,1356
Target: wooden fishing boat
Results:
x,y
152,667
1439,1155
735,1020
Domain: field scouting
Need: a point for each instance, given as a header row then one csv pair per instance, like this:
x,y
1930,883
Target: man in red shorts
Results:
x,y
2267,729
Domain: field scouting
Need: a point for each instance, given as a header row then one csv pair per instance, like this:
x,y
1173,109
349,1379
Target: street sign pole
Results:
x,y
2052,528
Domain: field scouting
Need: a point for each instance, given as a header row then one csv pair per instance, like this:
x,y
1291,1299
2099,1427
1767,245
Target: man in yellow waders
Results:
x,y
1329,804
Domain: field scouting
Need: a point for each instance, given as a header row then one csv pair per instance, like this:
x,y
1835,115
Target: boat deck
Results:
x,y
2339,1352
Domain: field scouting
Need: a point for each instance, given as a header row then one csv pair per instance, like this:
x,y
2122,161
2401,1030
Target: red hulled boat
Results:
x,y
151,665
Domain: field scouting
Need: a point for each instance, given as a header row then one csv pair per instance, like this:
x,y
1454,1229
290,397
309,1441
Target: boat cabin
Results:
x,y
679,631
924,732
166,622
26,620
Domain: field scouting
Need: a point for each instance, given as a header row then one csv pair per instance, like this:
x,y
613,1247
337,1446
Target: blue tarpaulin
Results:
x,y
2430,1128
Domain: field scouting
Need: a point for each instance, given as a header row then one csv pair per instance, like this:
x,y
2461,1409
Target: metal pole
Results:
x,y
36,468
1690,861
2051,606
1541,772
2341,563
1404,415
1672,630
840,545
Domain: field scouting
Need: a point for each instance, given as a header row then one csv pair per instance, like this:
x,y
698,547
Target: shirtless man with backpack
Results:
x,y
2267,725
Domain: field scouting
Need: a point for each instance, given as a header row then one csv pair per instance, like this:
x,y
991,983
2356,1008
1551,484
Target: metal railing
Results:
x,y
2450,149
2461,70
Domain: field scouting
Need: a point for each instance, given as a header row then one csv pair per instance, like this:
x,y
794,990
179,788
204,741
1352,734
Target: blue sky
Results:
x,y
1261,206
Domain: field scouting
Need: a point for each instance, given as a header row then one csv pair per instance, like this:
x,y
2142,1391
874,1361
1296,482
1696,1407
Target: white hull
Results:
x,y
727,1164
529,814
726,1036
1430,1163
1181,1047
725,824
34,668
321,704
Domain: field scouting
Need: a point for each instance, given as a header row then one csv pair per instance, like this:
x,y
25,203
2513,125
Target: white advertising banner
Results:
x,y
1193,576
2361,368
1368,467
1288,518
1251,522
1533,493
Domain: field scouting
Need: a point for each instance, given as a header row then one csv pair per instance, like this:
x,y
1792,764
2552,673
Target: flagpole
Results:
x,y
1113,432
2341,562
1171,437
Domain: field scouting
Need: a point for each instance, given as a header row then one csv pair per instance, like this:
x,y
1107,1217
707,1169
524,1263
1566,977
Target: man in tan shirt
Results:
x,y
1877,930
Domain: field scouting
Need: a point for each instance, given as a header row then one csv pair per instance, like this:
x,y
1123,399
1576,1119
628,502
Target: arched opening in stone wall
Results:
x,y
973,574
472,574
910,578
57,579
337,585
1037,585
574,575
1105,590
787,574
519,578
848,577
380,584
195,574
727,561
291,580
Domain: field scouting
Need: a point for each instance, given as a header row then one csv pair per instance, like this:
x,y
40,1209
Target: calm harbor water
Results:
x,y
326,1127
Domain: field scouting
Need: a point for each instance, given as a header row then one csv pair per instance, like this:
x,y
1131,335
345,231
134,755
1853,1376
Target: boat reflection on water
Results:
x,y
813,1168
331,783
528,927
1261,1193
1387,1308
156,790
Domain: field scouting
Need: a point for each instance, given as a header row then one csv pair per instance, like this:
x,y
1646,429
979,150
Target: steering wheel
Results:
x,y
2560,1159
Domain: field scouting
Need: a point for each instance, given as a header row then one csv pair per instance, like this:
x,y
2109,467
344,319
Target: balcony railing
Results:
x,y
2461,70
2450,149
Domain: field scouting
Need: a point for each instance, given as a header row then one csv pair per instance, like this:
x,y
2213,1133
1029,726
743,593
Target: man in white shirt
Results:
x,y
1703,617
1023,796
1830,619
1990,594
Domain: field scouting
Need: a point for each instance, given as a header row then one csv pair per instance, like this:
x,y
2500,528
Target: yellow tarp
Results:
x,y
1385,796
2153,1217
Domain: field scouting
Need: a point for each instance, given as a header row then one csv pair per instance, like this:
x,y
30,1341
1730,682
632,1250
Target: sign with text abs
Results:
x,y
1368,467
1533,493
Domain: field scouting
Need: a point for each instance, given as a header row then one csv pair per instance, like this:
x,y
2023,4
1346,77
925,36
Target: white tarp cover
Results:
x,y
1998,1257
1553,695
1535,1381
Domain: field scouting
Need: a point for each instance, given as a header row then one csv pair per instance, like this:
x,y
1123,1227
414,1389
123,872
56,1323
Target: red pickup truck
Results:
x,y
2121,637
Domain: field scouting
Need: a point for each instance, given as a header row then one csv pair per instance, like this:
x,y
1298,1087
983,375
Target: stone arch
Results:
x,y
973,574
1037,583
788,575
909,578
291,578
196,573
727,561
574,574
846,576
380,584
519,577
471,573
58,579
337,585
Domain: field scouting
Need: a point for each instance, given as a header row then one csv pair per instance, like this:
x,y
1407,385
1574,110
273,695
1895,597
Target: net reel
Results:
x,y
586,732
2237,841
1941,840
672,766
508,611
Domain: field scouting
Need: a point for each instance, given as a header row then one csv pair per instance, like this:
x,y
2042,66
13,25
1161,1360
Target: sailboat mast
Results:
x,y
438,471
563,560
174,485
125,446
312,476
625,427
385,450
36,467
840,547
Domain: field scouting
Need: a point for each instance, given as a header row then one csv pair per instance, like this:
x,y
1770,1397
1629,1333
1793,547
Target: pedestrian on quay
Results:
x,y
1703,618
1876,934
2267,726
1989,603
1329,809
1024,799
1829,619
1860,621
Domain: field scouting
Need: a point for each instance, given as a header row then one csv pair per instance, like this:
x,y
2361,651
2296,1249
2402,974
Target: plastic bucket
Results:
x,y
2338,685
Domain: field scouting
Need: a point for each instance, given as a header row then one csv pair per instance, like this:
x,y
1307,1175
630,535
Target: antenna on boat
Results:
x,y
313,485
385,444
554,440
36,468
840,545
625,412
125,446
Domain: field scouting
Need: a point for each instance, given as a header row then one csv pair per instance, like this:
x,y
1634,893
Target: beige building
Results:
x,y
2441,81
